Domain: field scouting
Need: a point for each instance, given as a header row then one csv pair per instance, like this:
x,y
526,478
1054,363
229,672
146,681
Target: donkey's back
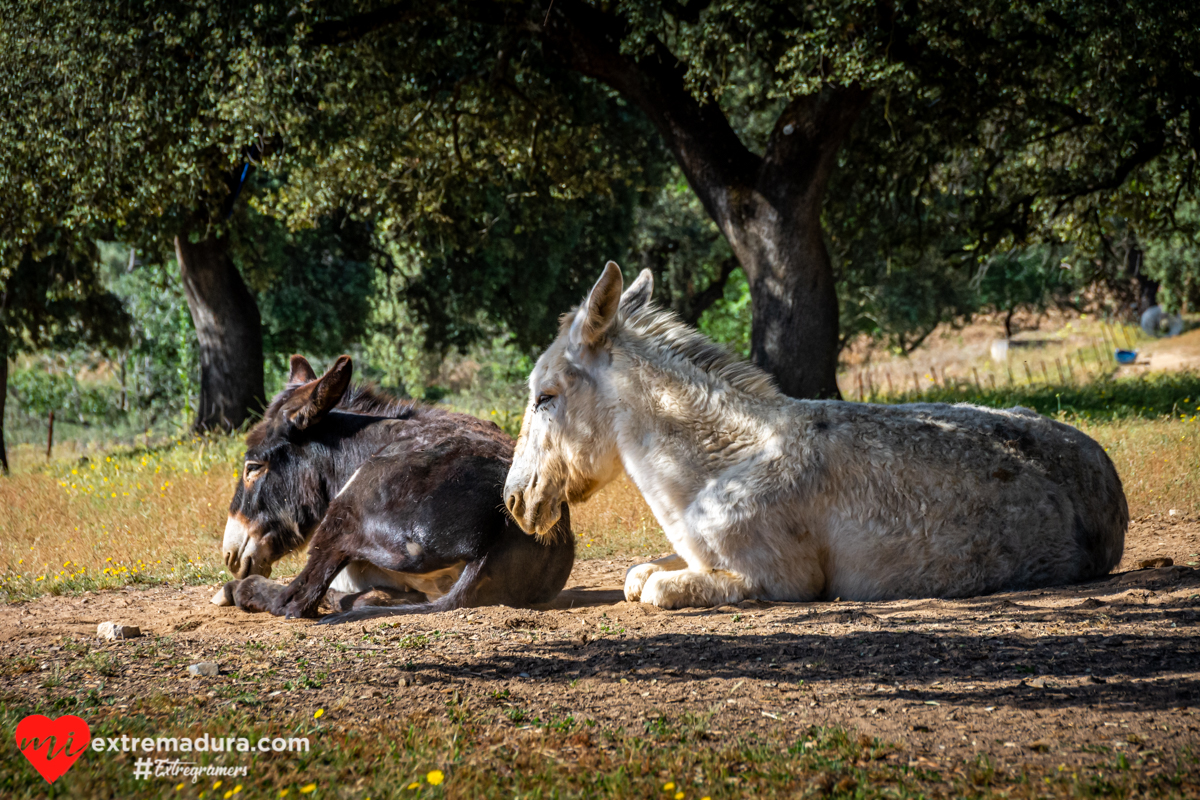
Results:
x,y
958,500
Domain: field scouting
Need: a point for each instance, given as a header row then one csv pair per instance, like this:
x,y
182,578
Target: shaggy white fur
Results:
x,y
768,497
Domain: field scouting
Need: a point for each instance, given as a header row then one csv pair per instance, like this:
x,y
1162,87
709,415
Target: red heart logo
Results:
x,y
52,745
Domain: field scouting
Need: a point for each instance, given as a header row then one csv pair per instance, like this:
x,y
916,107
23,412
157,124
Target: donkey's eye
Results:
x,y
252,467
542,400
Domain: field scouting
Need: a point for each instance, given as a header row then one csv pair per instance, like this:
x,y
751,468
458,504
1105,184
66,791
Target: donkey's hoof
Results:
x,y
687,589
635,580
224,595
657,591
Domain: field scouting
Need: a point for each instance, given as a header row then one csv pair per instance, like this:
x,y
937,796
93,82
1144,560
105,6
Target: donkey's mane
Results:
x,y
663,328
363,398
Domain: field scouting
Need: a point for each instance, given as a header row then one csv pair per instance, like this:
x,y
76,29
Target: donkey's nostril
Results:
x,y
516,504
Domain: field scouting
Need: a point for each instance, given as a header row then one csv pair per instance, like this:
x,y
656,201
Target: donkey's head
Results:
x,y
280,496
567,448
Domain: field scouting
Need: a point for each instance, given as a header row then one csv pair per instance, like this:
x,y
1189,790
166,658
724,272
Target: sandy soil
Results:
x,y
1061,676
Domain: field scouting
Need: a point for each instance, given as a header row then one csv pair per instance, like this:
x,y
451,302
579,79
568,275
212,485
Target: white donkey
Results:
x,y
767,497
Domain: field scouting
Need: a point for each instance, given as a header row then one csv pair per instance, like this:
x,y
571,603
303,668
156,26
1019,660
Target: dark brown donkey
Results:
x,y
402,504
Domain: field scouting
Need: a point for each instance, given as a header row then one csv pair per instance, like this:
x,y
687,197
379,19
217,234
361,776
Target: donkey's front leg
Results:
x,y
686,588
304,594
636,577
254,593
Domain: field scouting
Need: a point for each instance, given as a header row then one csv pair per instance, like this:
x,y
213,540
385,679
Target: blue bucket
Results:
x,y
1126,356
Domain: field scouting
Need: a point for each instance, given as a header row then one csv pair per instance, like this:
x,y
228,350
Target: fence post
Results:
x,y
50,437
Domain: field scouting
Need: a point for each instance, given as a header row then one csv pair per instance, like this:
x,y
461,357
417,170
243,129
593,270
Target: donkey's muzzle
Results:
x,y
537,515
240,549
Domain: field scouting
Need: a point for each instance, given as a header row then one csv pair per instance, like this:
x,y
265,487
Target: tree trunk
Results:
x,y
3,403
229,331
793,301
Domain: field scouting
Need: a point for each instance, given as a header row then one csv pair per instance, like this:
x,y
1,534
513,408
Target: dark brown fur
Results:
x,y
425,497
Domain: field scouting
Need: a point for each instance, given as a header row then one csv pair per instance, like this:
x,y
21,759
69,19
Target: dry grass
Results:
x,y
146,516
139,516
617,522
1158,461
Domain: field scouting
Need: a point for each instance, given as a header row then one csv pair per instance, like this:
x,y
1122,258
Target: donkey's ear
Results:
x,y
302,371
316,399
599,311
638,294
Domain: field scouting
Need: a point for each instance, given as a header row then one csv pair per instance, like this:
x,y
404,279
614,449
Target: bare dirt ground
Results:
x,y
1066,676
1178,352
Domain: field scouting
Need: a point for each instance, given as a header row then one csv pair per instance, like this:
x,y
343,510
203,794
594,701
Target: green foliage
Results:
x,y
497,373
50,384
728,320
676,240
505,181
1024,277
53,298
395,350
1020,113
1173,259
313,285
993,126
313,289
162,360
119,115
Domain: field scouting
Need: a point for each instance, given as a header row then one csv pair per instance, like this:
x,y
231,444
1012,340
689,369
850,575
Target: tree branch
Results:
x,y
702,301
686,13
1144,152
712,156
345,31
803,147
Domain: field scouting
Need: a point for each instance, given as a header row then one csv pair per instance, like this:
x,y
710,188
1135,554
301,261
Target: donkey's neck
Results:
x,y
350,441
679,427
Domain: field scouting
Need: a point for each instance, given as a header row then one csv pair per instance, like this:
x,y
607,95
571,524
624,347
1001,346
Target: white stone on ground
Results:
x,y
115,630
207,669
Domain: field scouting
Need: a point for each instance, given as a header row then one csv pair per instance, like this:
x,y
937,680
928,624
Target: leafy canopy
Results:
x,y
456,132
